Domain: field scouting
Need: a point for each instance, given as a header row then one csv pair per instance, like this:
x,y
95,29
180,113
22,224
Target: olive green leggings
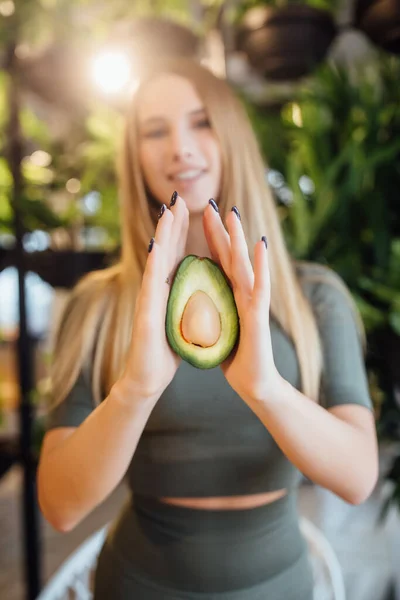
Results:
x,y
157,551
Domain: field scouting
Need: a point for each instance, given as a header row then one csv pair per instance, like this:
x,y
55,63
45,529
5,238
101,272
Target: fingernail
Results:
x,y
264,239
162,211
236,211
151,245
173,198
213,204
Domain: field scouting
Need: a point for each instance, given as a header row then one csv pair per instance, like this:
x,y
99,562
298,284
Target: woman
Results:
x,y
213,458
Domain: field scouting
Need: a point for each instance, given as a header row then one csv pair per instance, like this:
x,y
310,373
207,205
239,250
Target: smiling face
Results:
x,y
178,149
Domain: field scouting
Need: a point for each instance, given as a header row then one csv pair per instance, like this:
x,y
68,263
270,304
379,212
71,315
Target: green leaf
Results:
x,y
34,128
371,316
394,320
5,207
4,113
35,174
6,179
38,215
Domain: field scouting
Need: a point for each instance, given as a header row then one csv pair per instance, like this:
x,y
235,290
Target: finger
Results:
x,y
242,270
154,289
150,299
262,283
217,238
164,229
165,238
179,230
184,234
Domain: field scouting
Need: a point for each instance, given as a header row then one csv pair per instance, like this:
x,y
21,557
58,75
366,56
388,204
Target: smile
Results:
x,y
187,175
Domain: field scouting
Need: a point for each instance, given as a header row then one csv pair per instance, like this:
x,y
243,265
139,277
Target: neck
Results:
x,y
196,239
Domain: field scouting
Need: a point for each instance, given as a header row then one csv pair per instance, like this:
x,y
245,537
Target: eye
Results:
x,y
155,133
203,123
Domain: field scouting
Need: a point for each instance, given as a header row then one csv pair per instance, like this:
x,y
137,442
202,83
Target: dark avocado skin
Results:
x,y
195,273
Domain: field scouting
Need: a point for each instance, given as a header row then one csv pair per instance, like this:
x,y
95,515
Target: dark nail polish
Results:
x,y
151,245
264,239
236,211
213,204
173,198
162,211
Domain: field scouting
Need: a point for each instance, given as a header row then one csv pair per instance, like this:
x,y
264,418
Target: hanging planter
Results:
x,y
285,43
379,20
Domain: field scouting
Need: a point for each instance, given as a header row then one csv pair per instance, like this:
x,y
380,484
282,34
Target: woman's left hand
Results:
x,y
251,369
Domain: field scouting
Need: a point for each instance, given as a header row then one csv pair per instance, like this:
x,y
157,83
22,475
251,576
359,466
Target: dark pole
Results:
x,y
24,345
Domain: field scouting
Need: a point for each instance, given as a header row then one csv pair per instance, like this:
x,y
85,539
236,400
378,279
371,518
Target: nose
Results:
x,y
182,144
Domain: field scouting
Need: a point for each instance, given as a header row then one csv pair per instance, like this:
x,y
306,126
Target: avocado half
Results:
x,y
196,274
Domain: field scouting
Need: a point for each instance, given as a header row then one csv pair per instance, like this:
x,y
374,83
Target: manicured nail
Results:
x,y
162,211
173,198
264,239
236,211
213,204
151,245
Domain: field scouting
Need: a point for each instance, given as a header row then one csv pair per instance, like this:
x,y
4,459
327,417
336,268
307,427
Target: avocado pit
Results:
x,y
201,323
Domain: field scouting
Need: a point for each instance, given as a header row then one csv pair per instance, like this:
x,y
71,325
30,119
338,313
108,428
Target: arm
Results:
x,y
335,448
80,466
334,443
85,457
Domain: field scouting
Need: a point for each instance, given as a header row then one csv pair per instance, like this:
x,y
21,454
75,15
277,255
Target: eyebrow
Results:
x,y
192,113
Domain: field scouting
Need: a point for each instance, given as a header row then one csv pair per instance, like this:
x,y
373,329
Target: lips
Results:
x,y
187,175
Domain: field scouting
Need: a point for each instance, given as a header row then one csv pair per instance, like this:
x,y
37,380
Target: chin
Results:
x,y
195,205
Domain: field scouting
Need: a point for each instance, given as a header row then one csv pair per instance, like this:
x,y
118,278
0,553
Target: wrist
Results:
x,y
275,392
128,396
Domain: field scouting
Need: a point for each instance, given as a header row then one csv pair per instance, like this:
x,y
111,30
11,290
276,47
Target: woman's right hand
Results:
x,y
151,363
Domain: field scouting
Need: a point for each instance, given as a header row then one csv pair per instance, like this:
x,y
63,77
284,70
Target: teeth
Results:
x,y
187,174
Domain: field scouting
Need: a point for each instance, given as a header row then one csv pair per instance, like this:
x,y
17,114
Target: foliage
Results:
x,y
338,200
244,6
342,136
88,153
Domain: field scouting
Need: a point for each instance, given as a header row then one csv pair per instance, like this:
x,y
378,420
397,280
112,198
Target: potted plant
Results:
x,y
285,39
380,21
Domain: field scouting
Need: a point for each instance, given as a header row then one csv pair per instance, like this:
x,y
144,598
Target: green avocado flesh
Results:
x,y
195,274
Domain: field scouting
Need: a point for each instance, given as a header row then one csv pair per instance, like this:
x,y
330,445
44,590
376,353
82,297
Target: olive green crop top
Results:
x,y
202,439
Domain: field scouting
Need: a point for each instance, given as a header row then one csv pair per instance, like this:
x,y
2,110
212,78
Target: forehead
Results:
x,y
167,95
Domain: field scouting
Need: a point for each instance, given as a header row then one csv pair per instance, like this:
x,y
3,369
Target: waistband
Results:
x,y
187,520
208,551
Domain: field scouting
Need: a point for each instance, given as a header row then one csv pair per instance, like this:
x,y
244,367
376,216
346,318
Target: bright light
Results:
x,y
275,179
91,203
306,185
255,17
40,158
111,71
73,186
296,115
22,51
7,8
36,241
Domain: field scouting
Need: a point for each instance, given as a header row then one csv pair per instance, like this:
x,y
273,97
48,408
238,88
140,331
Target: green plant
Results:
x,y
244,6
330,5
340,174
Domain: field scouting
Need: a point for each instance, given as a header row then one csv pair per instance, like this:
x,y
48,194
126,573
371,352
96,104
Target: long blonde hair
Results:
x,y
95,330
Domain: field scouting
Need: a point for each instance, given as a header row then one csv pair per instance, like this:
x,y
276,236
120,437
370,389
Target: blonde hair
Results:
x,y
95,330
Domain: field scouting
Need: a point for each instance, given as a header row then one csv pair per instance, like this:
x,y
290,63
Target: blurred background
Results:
x,y
321,83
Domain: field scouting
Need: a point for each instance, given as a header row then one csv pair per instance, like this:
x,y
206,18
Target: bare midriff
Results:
x,y
227,503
